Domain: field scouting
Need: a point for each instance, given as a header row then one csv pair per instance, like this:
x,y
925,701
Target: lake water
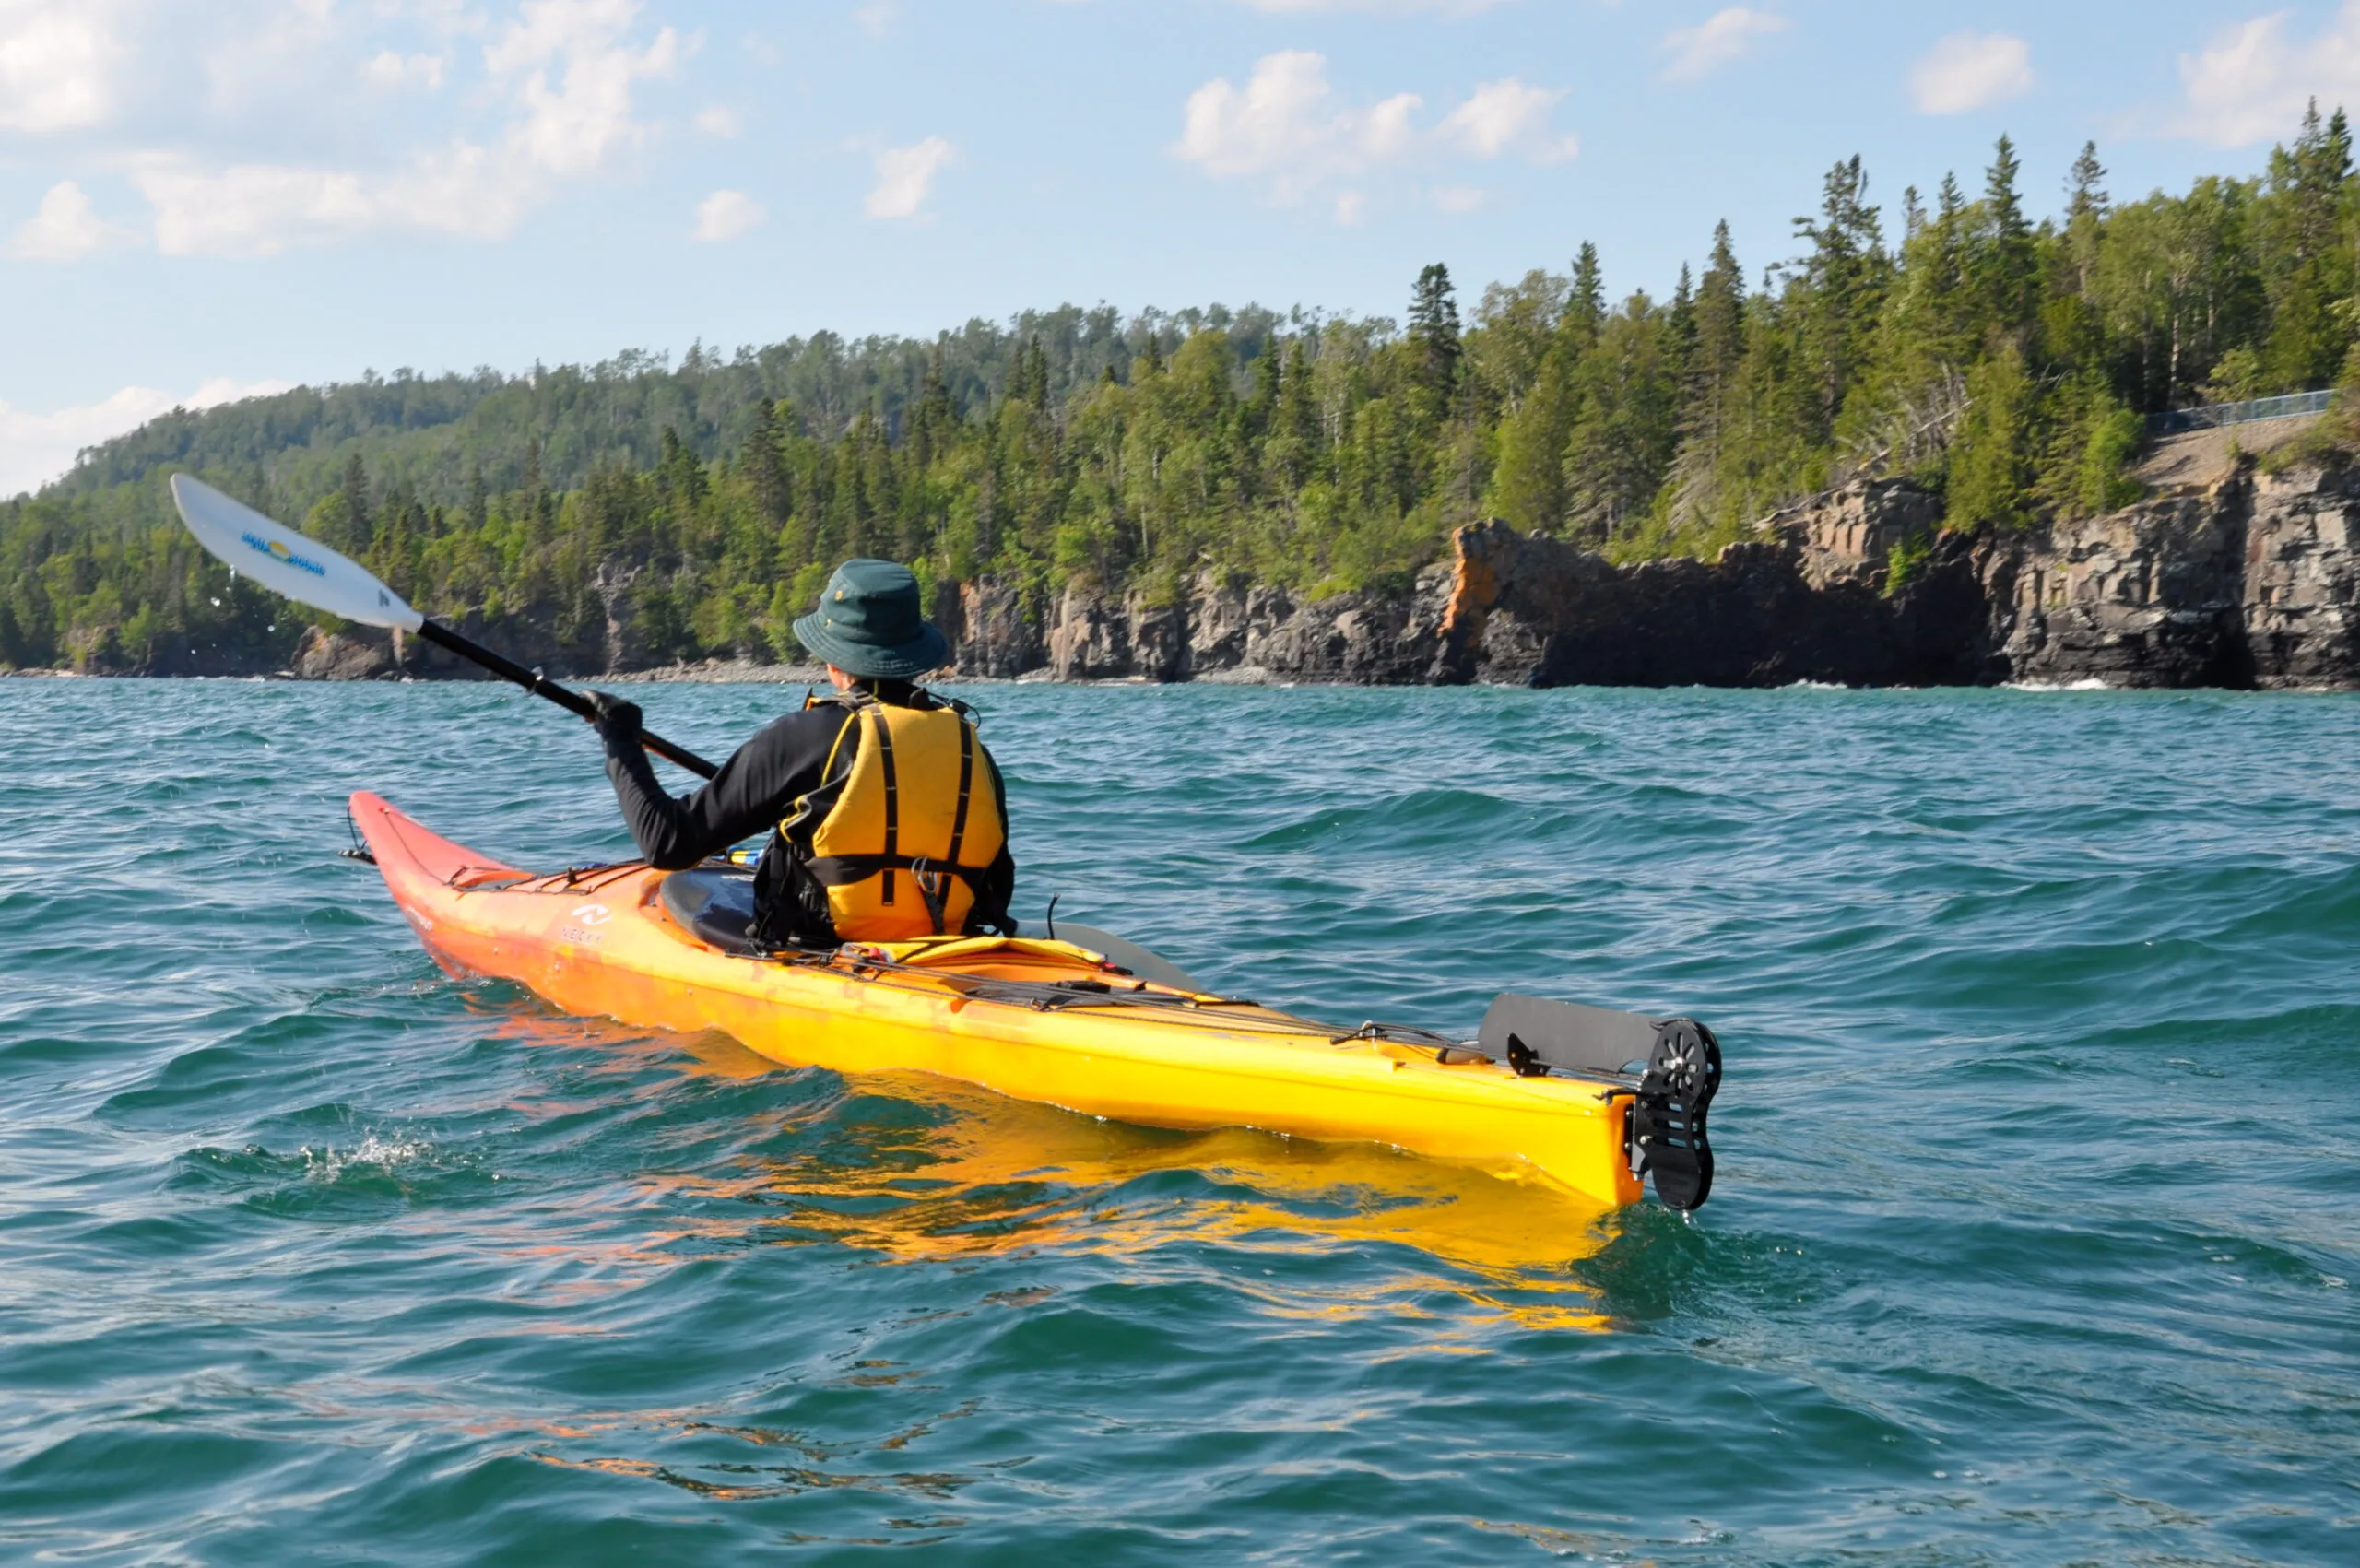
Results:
x,y
2032,1240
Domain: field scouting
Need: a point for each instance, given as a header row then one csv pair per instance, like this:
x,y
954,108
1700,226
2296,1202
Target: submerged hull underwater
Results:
x,y
1046,1021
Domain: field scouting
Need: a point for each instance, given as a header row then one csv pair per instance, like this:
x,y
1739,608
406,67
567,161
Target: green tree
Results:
x,y
2003,264
2303,222
1992,461
1623,428
1435,342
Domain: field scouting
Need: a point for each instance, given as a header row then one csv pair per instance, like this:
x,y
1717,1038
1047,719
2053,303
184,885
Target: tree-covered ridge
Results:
x,y
644,513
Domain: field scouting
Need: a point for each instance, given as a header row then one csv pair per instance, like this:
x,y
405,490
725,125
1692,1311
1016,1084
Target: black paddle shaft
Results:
x,y
572,702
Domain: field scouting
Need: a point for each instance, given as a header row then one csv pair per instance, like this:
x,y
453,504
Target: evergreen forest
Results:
x,y
2005,358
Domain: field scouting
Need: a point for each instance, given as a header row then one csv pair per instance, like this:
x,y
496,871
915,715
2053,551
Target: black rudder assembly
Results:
x,y
1671,1068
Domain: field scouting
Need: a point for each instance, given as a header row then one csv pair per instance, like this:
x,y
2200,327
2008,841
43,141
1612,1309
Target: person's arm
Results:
x,y
750,794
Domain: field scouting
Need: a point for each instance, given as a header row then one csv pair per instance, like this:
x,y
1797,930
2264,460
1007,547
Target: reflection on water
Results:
x,y
908,1171
918,1169
981,1174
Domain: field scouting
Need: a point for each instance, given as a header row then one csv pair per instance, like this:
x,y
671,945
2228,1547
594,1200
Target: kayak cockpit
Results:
x,y
715,905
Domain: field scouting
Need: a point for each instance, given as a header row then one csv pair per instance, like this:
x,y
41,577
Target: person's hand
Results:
x,y
616,719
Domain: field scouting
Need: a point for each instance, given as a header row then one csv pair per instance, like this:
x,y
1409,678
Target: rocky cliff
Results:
x,y
2250,582
2250,579
2232,576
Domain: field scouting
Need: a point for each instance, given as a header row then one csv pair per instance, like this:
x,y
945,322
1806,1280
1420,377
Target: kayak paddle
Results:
x,y
290,564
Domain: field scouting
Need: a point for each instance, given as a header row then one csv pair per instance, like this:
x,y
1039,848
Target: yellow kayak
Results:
x,y
1582,1098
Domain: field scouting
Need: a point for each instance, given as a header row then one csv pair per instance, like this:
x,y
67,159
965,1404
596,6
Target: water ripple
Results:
x,y
2033,1241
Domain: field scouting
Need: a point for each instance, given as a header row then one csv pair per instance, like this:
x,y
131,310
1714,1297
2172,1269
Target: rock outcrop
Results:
x,y
2301,603
2251,580
1226,627
332,655
2230,576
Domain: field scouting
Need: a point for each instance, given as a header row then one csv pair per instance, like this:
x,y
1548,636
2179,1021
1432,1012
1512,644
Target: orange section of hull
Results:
x,y
600,943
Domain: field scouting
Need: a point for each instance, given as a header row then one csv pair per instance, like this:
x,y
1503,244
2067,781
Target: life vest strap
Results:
x,y
966,789
883,732
929,876
843,870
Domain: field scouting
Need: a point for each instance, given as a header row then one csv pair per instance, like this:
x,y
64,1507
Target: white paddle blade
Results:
x,y
284,562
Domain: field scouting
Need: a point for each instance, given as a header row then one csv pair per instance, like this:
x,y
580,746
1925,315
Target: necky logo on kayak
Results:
x,y
279,551
585,931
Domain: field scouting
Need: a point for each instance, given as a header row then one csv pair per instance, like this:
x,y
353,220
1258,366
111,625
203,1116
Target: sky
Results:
x,y
203,199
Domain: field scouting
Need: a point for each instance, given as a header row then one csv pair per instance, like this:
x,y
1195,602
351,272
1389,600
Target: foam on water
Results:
x,y
2030,1241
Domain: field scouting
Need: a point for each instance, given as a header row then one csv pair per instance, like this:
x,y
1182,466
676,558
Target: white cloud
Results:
x,y
1506,116
37,448
260,209
904,176
719,120
875,17
1281,125
64,228
54,62
573,128
1462,198
1968,70
2252,81
388,69
725,215
549,99
1720,38
1454,8
1287,132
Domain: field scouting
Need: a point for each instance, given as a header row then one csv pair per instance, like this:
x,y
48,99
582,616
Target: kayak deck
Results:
x,y
1042,1020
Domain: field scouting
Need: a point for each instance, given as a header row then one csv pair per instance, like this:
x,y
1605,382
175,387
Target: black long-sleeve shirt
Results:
x,y
754,791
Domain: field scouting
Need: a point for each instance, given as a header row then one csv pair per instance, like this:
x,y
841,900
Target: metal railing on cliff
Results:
x,y
2213,416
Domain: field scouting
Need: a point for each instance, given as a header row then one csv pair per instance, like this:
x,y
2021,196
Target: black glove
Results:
x,y
616,719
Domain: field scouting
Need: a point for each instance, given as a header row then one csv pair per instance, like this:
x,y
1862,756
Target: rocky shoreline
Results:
x,y
2230,576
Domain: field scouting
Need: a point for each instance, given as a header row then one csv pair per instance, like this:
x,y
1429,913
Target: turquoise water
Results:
x,y
2032,1238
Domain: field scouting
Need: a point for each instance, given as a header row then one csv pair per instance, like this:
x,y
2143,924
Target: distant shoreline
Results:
x,y
705,672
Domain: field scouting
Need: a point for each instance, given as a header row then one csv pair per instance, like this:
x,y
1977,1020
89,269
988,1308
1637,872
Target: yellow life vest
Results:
x,y
914,825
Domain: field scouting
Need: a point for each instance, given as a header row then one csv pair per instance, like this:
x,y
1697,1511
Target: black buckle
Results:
x,y
933,886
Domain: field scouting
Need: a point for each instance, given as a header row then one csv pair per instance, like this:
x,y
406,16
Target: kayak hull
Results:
x,y
601,943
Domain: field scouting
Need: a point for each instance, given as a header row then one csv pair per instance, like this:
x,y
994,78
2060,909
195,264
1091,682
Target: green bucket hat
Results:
x,y
869,623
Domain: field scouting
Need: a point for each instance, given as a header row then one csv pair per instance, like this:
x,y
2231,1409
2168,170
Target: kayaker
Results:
x,y
887,817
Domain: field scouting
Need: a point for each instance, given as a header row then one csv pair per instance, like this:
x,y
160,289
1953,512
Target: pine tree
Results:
x,y
1434,343
1260,408
1711,379
765,466
1840,293
1623,424
343,519
2306,266
2085,209
1991,461
2004,267
1679,318
1293,444
1585,302
1529,480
